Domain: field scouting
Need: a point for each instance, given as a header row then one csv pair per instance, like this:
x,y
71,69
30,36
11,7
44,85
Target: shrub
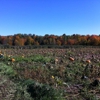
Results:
x,y
32,90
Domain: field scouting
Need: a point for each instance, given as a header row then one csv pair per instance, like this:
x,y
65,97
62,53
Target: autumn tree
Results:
x,y
71,41
94,40
10,40
29,41
58,42
64,39
3,40
17,41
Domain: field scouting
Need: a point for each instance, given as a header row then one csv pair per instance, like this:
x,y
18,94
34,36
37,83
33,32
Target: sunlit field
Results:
x,y
50,74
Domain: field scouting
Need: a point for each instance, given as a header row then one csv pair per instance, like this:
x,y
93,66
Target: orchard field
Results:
x,y
50,74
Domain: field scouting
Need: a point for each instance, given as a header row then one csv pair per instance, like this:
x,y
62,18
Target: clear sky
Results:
x,y
56,17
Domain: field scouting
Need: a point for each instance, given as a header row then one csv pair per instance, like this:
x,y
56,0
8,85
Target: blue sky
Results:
x,y
56,17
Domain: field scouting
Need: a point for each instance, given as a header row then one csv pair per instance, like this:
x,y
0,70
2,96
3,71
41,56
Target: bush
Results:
x,y
32,90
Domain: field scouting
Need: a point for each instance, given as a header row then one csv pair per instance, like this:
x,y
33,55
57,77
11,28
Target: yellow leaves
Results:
x,y
9,56
23,56
52,77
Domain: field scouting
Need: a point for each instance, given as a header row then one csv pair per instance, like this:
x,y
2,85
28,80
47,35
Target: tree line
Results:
x,y
32,39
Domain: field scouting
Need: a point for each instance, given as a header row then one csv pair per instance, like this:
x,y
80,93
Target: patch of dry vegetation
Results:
x,y
73,72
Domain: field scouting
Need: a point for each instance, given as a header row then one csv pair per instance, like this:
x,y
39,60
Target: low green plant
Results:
x,y
7,88
40,58
35,58
32,90
40,91
87,95
21,92
7,70
21,59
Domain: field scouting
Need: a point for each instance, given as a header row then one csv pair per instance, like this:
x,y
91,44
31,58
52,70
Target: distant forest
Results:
x,y
32,39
